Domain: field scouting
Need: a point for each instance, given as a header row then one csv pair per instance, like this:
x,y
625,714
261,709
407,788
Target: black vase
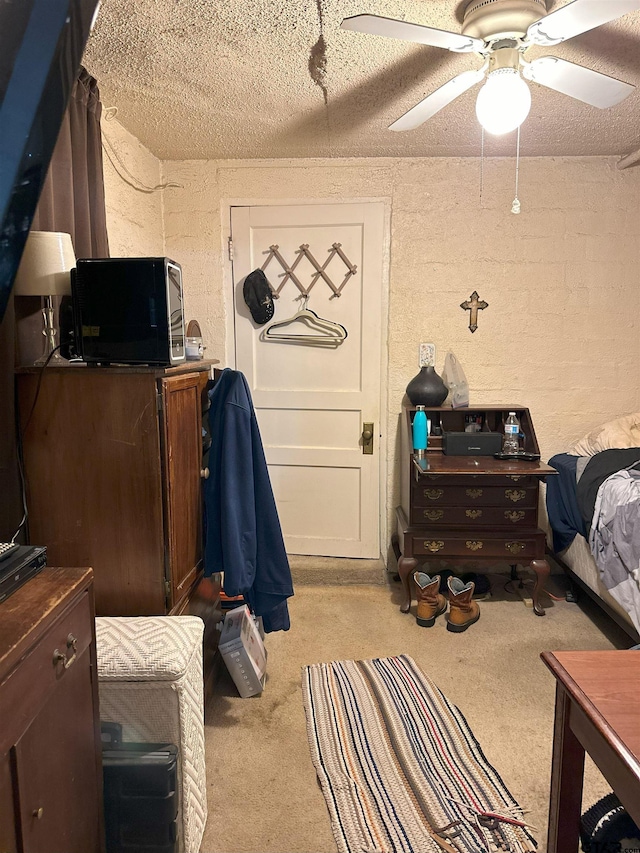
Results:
x,y
427,388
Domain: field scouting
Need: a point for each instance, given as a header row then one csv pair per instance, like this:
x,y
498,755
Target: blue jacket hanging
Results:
x,y
243,537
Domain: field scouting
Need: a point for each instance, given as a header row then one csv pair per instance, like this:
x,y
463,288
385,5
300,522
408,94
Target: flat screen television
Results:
x,y
41,46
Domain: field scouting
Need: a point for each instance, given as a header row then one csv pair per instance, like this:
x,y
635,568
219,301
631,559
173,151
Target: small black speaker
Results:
x,y
471,443
68,334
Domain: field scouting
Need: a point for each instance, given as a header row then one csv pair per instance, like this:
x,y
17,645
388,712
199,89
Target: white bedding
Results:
x,y
580,560
614,538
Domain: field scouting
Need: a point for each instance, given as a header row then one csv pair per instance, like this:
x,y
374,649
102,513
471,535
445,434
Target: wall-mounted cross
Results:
x,y
473,304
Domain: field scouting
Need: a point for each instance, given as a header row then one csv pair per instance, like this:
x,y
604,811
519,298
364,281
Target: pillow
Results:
x,y
622,432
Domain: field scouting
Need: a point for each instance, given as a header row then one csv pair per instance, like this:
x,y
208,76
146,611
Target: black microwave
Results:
x,y
128,310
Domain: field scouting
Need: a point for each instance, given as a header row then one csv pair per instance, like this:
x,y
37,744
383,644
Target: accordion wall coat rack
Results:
x,y
318,331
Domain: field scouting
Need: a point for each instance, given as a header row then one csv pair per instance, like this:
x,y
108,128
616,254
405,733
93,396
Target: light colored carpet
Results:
x,y
262,790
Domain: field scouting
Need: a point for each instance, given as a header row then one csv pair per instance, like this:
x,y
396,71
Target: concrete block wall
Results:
x,y
133,198
560,334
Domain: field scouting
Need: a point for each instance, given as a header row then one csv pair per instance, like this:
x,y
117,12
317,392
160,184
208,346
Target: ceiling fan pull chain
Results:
x,y
481,165
515,207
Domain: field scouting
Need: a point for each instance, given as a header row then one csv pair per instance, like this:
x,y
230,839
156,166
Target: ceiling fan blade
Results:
x,y
586,85
389,27
434,102
577,17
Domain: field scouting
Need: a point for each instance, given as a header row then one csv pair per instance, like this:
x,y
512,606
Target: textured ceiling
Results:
x,y
279,78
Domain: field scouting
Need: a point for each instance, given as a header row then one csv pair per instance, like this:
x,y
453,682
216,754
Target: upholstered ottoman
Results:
x,y
150,680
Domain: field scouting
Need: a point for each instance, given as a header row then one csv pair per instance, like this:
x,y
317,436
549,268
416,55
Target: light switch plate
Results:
x,y
427,355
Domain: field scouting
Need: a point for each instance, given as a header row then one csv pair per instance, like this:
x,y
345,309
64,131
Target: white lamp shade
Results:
x,y
44,269
503,102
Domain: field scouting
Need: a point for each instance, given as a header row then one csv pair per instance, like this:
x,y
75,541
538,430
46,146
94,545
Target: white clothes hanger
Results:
x,y
321,332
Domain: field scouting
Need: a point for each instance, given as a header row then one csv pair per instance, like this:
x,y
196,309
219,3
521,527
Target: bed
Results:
x,y
594,515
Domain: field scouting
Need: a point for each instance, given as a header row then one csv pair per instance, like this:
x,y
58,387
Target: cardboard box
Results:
x,y
243,651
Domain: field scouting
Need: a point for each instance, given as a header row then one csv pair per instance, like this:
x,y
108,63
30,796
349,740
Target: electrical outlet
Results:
x,y
427,355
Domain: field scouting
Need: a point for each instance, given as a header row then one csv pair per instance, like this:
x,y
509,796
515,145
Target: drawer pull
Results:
x,y
204,473
474,493
514,515
473,513
433,494
434,546
515,477
37,813
515,495
433,476
473,545
433,514
60,657
515,547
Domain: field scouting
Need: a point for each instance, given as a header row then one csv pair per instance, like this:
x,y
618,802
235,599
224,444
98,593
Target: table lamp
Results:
x,y
44,271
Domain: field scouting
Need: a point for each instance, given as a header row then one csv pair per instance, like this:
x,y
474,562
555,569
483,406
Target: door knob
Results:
x,y
367,438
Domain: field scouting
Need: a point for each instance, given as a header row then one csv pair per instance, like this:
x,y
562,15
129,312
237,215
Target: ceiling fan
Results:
x,y
500,32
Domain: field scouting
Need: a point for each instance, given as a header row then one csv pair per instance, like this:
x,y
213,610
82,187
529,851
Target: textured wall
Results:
x,y
249,78
134,207
561,332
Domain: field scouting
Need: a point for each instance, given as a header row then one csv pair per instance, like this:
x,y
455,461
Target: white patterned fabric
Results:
x,y
150,681
621,432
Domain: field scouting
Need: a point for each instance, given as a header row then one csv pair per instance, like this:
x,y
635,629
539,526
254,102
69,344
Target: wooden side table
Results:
x,y
596,712
470,509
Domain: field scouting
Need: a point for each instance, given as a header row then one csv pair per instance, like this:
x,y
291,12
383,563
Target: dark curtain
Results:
x,y
72,201
72,198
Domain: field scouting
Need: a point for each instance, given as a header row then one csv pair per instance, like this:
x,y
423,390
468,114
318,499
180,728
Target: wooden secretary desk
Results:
x,y
469,509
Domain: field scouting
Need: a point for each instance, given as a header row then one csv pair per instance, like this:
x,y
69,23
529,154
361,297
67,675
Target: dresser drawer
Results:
x,y
479,544
47,664
474,495
426,480
472,516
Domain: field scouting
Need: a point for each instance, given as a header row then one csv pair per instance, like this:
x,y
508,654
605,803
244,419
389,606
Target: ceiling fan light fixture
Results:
x,y
503,102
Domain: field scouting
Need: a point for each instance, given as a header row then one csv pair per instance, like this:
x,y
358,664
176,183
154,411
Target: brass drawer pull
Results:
x,y
515,477
433,494
515,495
37,813
473,513
473,545
433,476
514,515
433,514
60,657
474,493
515,547
434,546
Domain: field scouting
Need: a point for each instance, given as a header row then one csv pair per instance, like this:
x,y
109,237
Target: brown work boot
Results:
x,y
430,602
463,610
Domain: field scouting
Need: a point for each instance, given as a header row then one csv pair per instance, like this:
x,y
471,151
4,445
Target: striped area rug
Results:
x,y
399,767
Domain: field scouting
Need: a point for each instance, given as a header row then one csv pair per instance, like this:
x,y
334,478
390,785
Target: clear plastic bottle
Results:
x,y
511,440
420,431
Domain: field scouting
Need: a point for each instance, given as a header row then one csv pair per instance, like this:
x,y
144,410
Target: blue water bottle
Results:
x,y
420,431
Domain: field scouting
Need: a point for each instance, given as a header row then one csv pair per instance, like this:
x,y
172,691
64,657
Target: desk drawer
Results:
x,y
471,516
505,480
474,495
480,544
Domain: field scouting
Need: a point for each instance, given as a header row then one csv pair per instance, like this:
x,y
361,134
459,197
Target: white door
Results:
x,y
311,401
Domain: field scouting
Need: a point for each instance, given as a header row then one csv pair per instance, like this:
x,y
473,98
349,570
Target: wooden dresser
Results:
x,y
113,463
474,510
50,751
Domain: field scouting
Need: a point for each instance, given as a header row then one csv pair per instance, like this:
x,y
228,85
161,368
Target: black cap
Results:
x,y
258,296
